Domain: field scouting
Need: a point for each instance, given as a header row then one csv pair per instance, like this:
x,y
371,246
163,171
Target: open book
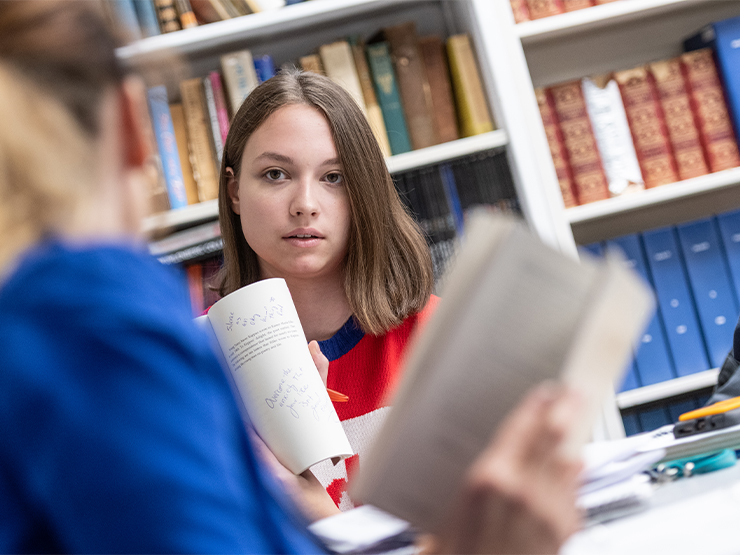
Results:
x,y
265,349
514,312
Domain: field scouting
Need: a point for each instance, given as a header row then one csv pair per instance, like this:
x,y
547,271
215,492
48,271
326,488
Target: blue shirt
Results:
x,y
120,433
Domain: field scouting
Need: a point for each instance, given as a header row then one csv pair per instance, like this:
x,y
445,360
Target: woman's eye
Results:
x,y
274,175
334,177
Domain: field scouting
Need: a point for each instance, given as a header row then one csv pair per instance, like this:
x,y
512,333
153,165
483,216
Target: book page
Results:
x,y
512,312
262,340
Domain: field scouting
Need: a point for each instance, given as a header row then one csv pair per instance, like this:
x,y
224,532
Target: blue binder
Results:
x,y
710,282
653,419
653,360
674,299
729,231
631,424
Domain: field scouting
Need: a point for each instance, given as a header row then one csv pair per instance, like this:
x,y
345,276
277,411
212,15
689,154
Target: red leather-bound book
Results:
x,y
647,124
679,118
520,10
544,8
710,109
578,136
557,147
573,5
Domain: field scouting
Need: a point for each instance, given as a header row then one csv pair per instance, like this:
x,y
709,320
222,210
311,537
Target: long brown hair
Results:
x,y
388,271
57,61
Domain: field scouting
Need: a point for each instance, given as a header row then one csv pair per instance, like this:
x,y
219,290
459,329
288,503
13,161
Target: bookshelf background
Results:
x,y
513,59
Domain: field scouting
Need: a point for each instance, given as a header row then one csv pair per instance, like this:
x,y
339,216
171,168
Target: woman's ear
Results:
x,y
232,187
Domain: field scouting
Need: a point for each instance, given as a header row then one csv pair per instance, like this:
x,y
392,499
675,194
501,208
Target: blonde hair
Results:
x,y
57,60
388,271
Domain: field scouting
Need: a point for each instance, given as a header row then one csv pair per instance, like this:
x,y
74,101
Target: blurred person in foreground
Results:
x,y
120,431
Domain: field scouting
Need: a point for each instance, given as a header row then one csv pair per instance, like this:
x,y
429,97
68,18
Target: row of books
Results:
x,y
657,415
148,18
639,128
416,92
441,196
528,10
694,269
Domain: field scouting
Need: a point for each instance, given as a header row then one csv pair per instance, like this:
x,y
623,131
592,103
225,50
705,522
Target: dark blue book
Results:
x,y
723,37
729,231
652,359
631,424
710,283
164,132
593,249
630,379
652,419
676,409
264,66
147,15
453,199
675,301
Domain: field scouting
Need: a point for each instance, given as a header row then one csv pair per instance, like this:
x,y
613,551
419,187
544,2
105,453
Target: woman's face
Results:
x,y
291,196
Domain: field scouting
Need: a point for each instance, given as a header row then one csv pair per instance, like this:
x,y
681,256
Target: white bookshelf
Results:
x,y
670,388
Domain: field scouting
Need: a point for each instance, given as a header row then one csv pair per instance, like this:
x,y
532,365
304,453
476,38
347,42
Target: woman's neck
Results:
x,y
322,306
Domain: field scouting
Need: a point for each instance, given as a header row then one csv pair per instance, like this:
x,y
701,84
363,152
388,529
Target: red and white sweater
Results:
x,y
365,368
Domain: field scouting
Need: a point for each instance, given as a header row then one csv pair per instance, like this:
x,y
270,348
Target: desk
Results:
x,y
691,516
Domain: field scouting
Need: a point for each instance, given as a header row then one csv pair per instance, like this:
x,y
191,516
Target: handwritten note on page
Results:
x,y
261,337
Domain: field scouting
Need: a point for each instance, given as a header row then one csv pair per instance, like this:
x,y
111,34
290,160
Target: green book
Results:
x,y
381,68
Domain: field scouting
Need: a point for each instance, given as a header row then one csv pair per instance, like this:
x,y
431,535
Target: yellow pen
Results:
x,y
716,408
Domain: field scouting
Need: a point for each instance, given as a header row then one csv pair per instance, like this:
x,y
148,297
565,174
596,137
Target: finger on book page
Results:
x,y
321,362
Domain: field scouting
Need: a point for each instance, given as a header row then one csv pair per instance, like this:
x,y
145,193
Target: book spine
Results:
x,y
167,16
194,273
185,13
183,149
210,99
222,111
165,135
557,147
612,133
264,66
240,77
710,109
649,132
599,2
438,73
384,79
311,62
710,283
412,83
158,196
127,18
727,34
339,66
453,199
729,229
583,154
545,8
679,118
199,136
470,98
374,113
147,17
209,11
675,301
653,362
573,5
520,10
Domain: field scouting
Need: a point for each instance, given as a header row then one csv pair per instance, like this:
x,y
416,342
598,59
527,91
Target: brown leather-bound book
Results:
x,y
311,62
557,147
710,109
679,118
438,73
169,20
413,85
573,5
578,136
520,10
649,132
198,125
544,8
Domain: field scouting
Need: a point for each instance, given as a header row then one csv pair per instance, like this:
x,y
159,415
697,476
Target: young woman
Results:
x,y
305,195
119,431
